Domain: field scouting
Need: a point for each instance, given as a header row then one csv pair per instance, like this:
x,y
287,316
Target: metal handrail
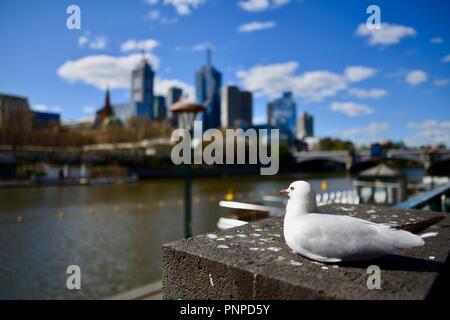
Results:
x,y
424,198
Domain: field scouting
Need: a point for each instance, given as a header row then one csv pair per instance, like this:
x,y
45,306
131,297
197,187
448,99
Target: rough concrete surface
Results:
x,y
253,262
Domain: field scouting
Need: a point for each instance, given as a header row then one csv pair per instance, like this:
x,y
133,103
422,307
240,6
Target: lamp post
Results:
x,y
187,111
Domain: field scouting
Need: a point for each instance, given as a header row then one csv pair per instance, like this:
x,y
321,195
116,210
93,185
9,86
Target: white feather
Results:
x,y
334,238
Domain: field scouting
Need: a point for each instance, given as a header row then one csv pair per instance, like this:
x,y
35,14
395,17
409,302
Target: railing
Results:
x,y
437,199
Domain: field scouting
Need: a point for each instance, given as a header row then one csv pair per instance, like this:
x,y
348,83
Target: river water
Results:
x,y
113,233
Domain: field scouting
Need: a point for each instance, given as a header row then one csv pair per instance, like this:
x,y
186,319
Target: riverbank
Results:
x,y
66,182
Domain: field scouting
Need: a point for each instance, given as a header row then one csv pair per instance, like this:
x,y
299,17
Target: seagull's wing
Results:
x,y
348,238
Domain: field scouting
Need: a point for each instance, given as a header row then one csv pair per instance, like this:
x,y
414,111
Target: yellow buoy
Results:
x,y
229,196
180,202
196,200
324,185
116,209
140,206
60,215
161,204
91,211
19,219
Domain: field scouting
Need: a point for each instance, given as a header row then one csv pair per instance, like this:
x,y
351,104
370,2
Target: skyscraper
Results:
x,y
141,104
142,78
208,82
305,126
159,108
282,114
236,107
173,96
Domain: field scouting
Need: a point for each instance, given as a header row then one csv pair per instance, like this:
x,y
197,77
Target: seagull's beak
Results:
x,y
284,192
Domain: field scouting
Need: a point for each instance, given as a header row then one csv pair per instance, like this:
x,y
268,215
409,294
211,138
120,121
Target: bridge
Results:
x,y
126,152
137,151
349,159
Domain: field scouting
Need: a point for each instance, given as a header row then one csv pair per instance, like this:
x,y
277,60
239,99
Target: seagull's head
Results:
x,y
298,190
301,192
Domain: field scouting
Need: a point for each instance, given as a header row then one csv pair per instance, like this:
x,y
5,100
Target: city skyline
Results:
x,y
357,85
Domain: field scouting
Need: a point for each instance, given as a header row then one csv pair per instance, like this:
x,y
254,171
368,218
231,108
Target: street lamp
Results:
x,y
186,113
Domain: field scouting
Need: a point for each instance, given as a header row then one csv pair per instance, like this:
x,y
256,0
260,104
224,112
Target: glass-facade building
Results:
x,y
159,108
282,114
142,96
236,108
173,96
208,82
305,126
141,104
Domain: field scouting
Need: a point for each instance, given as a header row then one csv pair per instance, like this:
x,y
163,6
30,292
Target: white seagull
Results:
x,y
335,238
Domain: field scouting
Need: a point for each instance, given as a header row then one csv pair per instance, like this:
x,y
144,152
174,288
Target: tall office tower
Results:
x,y
236,108
159,108
282,114
142,78
305,126
208,82
173,96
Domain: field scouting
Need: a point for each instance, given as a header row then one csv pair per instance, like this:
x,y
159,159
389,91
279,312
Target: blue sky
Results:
x,y
359,84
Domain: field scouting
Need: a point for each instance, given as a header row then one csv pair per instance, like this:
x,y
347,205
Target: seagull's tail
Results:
x,y
428,234
417,227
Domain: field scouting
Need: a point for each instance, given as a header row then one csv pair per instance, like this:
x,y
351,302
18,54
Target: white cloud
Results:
x,y
370,133
269,80
163,85
154,15
257,120
132,45
389,33
165,20
45,108
261,5
446,58
279,3
40,107
202,46
273,79
318,85
428,132
98,43
359,73
88,109
256,26
441,82
184,7
416,77
94,43
436,40
367,93
102,71
83,40
351,109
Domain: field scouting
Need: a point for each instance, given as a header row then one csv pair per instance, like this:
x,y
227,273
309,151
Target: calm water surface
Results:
x,y
118,247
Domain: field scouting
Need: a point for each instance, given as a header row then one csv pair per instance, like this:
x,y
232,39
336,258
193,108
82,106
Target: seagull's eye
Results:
x,y
292,188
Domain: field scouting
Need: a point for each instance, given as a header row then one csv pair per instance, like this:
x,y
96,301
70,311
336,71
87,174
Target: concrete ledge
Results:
x,y
150,291
253,262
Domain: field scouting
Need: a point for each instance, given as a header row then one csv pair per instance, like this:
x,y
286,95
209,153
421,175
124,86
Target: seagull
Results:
x,y
331,238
